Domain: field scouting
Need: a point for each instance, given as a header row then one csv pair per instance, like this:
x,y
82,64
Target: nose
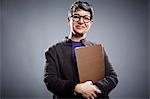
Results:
x,y
81,20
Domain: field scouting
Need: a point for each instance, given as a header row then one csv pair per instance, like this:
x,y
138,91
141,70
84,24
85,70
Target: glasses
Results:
x,y
76,17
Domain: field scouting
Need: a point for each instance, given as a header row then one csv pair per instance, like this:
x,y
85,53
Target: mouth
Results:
x,y
80,27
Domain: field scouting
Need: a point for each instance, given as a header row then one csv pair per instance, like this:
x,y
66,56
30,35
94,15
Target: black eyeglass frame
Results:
x,y
86,19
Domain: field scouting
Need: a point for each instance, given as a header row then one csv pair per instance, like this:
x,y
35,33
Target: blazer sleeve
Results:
x,y
110,81
52,76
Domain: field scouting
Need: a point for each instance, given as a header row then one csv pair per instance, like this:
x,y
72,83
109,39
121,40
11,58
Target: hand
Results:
x,y
87,89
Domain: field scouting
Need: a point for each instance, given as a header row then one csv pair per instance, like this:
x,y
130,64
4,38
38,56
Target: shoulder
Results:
x,y
55,46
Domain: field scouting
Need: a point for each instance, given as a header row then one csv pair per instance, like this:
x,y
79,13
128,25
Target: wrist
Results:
x,y
77,89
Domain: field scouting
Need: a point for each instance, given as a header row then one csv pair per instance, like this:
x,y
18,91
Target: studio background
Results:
x,y
29,27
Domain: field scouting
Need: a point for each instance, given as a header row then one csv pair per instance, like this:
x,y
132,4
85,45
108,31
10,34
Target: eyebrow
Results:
x,y
80,15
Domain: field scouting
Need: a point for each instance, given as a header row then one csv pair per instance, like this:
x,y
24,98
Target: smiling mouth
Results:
x,y
80,27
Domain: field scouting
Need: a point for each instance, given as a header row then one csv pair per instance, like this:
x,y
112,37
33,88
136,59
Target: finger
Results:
x,y
85,96
88,97
94,94
96,89
90,82
91,97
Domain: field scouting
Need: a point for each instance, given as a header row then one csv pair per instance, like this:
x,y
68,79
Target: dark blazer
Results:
x,y
60,77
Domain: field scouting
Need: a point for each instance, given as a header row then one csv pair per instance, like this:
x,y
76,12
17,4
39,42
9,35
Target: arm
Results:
x,y
52,76
110,81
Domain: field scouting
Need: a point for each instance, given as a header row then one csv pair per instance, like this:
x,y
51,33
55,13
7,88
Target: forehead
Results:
x,y
82,12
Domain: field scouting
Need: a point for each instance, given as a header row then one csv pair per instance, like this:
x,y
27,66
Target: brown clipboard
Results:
x,y
90,62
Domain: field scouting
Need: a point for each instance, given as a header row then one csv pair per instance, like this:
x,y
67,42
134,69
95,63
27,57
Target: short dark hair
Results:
x,y
81,5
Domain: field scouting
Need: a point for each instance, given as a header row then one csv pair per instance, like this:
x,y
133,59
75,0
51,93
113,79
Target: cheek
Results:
x,y
72,26
87,26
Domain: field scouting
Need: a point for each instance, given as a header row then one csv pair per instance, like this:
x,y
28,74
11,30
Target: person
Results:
x,y
61,72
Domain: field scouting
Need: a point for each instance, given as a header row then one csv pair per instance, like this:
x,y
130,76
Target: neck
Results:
x,y
77,37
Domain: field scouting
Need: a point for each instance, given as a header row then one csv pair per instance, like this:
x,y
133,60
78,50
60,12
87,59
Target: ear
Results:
x,y
68,19
92,21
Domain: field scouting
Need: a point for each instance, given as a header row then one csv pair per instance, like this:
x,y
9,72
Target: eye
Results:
x,y
76,16
87,18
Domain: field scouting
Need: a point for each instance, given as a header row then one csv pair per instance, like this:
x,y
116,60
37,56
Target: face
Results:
x,y
80,22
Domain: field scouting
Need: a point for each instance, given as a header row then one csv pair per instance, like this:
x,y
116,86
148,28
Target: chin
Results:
x,y
80,31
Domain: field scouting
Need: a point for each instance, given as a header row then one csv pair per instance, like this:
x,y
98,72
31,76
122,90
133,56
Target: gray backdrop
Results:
x,y
0,45
29,27
149,43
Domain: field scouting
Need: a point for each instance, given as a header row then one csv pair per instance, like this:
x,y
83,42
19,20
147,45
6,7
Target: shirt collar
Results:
x,y
68,40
